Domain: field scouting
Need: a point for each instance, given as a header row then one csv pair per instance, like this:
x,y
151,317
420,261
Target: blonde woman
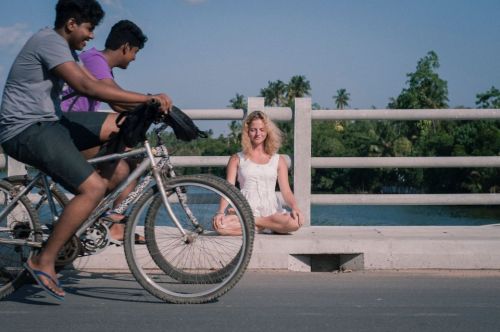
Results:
x,y
257,168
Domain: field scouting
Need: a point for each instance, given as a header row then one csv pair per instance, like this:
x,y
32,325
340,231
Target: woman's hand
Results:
x,y
217,220
297,215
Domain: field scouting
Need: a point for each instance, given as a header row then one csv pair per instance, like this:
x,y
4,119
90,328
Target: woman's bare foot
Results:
x,y
227,225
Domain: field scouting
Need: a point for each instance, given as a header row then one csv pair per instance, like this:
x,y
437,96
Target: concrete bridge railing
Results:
x,y
303,160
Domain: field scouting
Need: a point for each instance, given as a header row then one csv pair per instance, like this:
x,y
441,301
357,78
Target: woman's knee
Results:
x,y
292,224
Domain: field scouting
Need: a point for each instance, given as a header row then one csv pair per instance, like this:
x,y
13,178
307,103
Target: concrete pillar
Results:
x,y
255,104
302,156
3,160
15,167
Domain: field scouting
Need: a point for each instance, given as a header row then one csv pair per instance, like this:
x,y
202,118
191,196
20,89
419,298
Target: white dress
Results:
x,y
258,185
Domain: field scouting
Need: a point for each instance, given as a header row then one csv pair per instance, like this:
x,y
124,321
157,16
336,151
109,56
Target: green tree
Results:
x,y
298,87
425,88
238,102
275,93
489,99
342,99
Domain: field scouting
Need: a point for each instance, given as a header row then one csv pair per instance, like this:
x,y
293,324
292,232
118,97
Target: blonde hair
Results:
x,y
273,138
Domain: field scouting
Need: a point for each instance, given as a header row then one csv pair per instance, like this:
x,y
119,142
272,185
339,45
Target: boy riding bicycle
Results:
x,y
122,45
34,131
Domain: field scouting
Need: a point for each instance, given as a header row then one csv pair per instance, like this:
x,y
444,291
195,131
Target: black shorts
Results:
x,y
54,147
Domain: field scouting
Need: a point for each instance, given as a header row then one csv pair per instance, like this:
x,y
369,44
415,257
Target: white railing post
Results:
x,y
255,104
15,167
3,160
302,156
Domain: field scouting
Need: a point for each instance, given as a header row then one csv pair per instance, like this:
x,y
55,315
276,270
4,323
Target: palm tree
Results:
x,y
238,102
298,87
342,99
274,94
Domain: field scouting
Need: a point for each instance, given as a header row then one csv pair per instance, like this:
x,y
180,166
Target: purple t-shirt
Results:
x,y
96,64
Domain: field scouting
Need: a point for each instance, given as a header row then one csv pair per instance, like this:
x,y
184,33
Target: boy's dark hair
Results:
x,y
82,11
124,32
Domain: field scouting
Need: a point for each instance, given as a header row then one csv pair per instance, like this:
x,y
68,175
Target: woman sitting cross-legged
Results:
x,y
257,168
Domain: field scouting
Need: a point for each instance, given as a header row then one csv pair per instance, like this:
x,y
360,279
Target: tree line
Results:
x,y
362,138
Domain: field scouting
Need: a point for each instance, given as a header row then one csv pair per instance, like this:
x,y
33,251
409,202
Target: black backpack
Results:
x,y
134,127
182,125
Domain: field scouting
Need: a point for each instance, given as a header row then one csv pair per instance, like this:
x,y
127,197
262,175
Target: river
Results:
x,y
402,215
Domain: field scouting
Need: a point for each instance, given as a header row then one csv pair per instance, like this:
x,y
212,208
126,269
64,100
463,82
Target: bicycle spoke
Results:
x,y
203,268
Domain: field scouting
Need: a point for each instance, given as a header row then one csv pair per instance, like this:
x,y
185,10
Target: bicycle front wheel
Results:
x,y
19,233
200,265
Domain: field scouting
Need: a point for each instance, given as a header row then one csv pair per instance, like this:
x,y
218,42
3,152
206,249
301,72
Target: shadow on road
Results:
x,y
111,286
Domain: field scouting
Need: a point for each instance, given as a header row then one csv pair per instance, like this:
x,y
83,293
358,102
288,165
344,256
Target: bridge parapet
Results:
x,y
303,161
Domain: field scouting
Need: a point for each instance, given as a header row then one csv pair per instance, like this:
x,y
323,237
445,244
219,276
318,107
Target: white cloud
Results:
x,y
14,36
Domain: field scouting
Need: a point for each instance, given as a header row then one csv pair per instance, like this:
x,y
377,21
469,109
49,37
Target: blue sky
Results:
x,y
203,52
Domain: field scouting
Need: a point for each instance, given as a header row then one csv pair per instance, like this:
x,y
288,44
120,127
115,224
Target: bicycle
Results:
x,y
184,260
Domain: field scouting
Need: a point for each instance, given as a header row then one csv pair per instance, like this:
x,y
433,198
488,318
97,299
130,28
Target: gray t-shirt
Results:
x,y
32,92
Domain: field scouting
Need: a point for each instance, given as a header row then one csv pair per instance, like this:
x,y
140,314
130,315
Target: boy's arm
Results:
x,y
117,107
88,73
77,79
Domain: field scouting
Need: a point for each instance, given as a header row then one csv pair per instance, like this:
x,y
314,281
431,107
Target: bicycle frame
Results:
x,y
148,165
143,168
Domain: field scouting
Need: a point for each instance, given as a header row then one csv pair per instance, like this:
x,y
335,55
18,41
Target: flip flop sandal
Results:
x,y
36,274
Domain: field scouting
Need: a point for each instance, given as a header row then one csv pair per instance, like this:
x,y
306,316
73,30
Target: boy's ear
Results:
x,y
70,25
125,48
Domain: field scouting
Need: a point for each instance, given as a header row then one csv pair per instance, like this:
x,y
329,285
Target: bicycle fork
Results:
x,y
157,175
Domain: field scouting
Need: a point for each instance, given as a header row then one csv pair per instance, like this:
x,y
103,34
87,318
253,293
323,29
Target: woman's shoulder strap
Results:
x,y
275,159
241,155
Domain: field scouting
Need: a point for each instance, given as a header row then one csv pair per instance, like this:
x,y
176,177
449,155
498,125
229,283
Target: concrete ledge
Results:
x,y
351,247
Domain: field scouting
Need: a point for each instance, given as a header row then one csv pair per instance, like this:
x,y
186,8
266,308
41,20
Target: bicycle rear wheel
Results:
x,y
39,198
202,265
16,229
48,215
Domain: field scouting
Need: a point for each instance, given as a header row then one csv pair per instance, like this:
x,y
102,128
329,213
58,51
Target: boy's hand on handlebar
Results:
x,y
164,101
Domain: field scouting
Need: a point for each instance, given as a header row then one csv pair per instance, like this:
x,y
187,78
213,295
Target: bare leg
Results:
x,y
78,209
90,193
279,222
116,172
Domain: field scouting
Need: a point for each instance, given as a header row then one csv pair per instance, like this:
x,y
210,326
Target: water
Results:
x,y
403,215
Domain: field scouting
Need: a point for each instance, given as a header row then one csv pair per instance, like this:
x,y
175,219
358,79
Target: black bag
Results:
x,y
184,128
137,122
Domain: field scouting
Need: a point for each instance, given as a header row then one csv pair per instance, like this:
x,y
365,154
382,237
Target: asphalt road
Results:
x,y
270,301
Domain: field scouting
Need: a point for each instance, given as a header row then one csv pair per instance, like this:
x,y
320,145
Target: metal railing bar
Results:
x,y
405,162
406,199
